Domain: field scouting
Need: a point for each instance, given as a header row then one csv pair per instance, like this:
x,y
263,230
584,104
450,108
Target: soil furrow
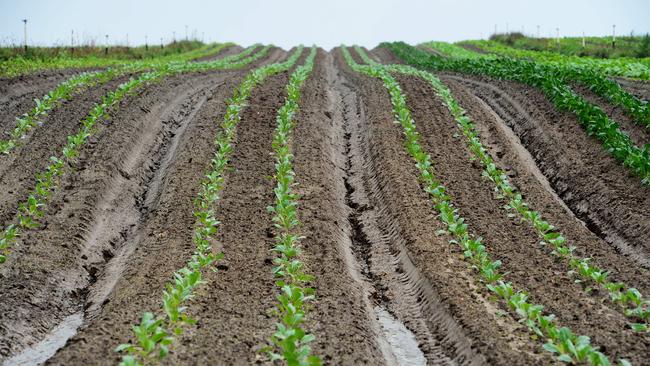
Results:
x,y
23,89
511,156
93,217
638,88
245,237
639,134
515,243
602,193
18,169
146,225
345,332
472,328
394,284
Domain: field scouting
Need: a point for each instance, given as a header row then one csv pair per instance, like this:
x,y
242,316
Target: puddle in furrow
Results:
x,y
401,340
43,350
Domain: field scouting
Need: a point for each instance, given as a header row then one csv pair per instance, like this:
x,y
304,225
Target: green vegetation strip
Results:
x,y
594,120
155,335
290,338
623,66
78,83
561,341
32,209
19,65
629,298
594,79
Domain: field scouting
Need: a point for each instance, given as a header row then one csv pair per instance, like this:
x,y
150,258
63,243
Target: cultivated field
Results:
x,y
403,205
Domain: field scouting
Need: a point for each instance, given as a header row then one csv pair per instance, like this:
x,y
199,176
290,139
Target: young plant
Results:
x,y
154,342
529,314
549,235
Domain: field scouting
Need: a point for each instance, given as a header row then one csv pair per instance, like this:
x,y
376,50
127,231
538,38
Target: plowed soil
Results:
x,y
390,287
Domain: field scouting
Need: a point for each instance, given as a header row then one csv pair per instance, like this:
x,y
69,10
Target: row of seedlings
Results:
x,y
561,341
155,334
33,207
595,80
634,305
290,339
77,84
592,118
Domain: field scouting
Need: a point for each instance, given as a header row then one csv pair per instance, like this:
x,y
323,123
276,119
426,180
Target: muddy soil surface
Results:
x,y
390,287
95,219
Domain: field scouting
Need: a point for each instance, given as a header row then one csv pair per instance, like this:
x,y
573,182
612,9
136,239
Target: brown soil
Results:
x,y
17,95
98,218
527,264
638,88
638,133
227,51
473,48
598,189
122,223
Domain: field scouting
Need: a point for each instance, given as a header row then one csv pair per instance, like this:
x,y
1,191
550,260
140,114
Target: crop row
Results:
x,y
154,334
629,298
290,338
567,72
77,84
628,67
32,208
568,346
593,119
18,65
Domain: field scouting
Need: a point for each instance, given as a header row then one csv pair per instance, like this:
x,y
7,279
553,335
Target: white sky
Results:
x,y
327,23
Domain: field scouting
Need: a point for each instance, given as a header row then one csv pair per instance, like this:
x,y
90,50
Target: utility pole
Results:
x,y
25,35
106,46
583,39
72,42
613,36
186,39
127,40
161,43
174,37
146,43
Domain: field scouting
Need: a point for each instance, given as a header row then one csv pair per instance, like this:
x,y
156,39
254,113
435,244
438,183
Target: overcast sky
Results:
x,y
327,23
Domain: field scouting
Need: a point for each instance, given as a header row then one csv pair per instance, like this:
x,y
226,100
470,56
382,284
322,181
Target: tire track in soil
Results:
x,y
455,309
108,191
18,169
514,243
394,289
135,168
342,318
598,189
